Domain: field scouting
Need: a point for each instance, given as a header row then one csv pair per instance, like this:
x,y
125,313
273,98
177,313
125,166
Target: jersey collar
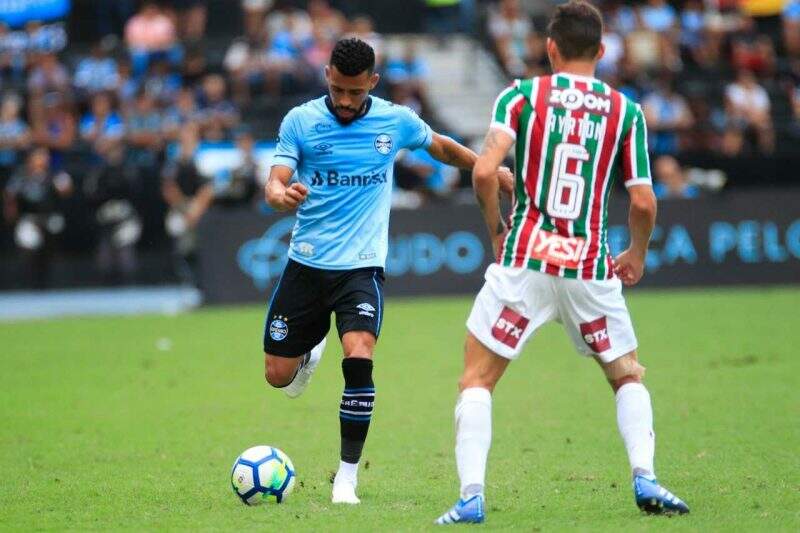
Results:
x,y
365,107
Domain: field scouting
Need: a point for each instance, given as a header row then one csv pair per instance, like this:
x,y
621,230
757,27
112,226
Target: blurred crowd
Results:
x,y
113,130
719,76
106,139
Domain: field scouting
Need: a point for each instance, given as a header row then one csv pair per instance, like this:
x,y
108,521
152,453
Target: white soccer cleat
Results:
x,y
344,492
303,377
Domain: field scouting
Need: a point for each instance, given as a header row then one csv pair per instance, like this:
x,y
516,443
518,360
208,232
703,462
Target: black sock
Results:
x,y
355,411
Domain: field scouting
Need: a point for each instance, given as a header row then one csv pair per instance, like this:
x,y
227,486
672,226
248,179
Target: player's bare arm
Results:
x,y
449,152
629,265
279,194
487,185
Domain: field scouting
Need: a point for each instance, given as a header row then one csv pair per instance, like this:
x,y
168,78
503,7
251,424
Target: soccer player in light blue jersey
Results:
x,y
334,164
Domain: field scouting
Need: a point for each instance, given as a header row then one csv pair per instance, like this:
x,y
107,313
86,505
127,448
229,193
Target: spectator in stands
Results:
x,y
255,12
111,190
242,186
659,16
195,65
151,34
751,50
246,62
127,86
15,136
181,114
48,75
46,38
407,76
13,55
191,16
646,49
162,82
671,180
791,27
143,133
747,106
54,127
188,195
509,29
693,33
318,51
668,116
329,21
285,71
702,137
98,72
102,128
621,16
32,204
219,115
614,45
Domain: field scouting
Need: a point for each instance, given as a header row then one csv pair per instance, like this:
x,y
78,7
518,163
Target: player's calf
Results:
x,y
482,367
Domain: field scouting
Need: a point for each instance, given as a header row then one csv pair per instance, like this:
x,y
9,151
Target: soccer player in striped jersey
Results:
x,y
574,136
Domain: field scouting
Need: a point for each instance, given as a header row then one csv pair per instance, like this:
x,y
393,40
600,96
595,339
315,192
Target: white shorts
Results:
x,y
515,302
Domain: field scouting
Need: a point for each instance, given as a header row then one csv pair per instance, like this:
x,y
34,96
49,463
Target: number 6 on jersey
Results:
x,y
565,197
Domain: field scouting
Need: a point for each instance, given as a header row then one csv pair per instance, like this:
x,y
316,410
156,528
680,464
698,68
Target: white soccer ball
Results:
x,y
262,474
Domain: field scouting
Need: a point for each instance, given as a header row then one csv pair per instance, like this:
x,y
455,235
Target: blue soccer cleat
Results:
x,y
468,511
652,498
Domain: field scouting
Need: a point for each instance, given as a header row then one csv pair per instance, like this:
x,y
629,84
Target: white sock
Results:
x,y
635,422
347,472
473,438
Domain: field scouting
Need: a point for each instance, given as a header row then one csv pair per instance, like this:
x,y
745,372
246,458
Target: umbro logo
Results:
x,y
366,310
323,148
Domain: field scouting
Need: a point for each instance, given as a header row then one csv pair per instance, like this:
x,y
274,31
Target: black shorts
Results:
x,y
299,314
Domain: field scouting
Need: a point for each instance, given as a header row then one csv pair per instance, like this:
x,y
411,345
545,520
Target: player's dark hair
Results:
x,y
577,29
353,56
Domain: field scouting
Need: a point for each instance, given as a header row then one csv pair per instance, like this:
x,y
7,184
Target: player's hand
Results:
x,y
506,180
294,195
629,266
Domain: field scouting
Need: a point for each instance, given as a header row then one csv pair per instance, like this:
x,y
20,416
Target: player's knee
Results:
x,y
358,344
625,369
277,372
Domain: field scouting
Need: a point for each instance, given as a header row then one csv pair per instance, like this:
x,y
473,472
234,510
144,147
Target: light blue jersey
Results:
x,y
348,169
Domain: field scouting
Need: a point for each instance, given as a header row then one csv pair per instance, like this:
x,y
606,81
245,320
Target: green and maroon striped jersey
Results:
x,y
574,136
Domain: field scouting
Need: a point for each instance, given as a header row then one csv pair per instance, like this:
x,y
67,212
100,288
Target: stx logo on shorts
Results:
x,y
595,335
557,250
509,327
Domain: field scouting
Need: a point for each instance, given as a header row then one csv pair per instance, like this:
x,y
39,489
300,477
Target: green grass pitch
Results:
x,y
133,423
